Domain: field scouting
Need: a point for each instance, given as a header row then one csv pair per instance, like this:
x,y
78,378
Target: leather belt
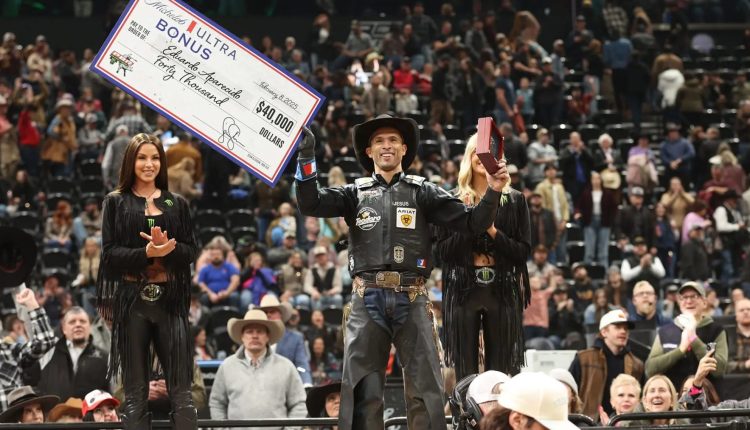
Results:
x,y
151,292
390,279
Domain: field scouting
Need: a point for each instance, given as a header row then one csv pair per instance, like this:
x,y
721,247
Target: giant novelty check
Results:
x,y
203,78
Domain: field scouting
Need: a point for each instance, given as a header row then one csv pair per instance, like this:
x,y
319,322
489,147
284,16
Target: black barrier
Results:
x,y
719,413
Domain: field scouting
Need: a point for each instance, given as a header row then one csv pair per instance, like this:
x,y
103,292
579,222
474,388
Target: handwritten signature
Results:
x,y
229,133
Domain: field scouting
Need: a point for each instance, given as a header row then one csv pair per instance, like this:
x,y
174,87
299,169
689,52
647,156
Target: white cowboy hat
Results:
x,y
269,301
235,326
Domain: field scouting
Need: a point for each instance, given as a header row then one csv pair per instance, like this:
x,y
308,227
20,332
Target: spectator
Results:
x,y
595,368
742,123
624,396
405,77
505,94
616,291
637,78
576,164
577,42
412,46
666,234
642,265
319,328
741,89
185,148
324,400
291,279
636,220
558,58
536,314
323,364
564,319
543,225
524,64
100,407
357,46
205,257
669,83
525,100
696,216
666,60
732,173
540,154
598,308
58,230
475,40
659,395
219,280
61,140
68,412
470,93
130,118
547,95
641,170
88,271
19,356
596,209
485,390
554,200
256,280
202,350
255,382
323,281
180,177
9,153
644,305
27,407
441,111
377,100
679,345
740,362
198,314
88,223
714,189
733,233
677,154
676,201
74,366
694,262
578,106
540,266
617,54
292,344
515,150
606,157
113,156
90,139
582,287
535,398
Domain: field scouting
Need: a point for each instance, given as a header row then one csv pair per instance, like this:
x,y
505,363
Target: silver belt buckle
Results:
x,y
151,292
389,279
485,275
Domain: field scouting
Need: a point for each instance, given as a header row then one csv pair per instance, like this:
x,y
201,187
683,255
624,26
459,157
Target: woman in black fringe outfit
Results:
x,y
485,280
144,283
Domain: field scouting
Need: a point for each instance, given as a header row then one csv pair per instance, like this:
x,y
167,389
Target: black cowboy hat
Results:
x,y
17,256
316,398
22,397
362,134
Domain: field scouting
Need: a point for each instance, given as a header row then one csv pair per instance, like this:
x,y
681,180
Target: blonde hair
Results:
x,y
670,386
336,177
623,379
466,193
523,20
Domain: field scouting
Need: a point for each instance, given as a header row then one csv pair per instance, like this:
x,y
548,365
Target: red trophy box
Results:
x,y
490,144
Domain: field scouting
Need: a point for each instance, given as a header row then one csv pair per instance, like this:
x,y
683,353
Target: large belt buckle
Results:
x,y
485,275
151,292
388,279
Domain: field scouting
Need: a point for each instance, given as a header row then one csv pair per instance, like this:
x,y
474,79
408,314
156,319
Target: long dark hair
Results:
x,y
127,170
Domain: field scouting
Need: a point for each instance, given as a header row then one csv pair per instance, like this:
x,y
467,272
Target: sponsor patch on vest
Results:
x,y
351,263
421,263
367,218
406,218
370,194
398,254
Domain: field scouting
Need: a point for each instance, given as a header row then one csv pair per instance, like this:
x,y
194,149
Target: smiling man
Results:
x,y
595,368
74,367
388,214
681,344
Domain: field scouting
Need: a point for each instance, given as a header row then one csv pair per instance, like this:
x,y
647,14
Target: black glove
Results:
x,y
306,149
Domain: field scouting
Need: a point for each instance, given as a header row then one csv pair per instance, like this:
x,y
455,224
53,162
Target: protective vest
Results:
x,y
389,231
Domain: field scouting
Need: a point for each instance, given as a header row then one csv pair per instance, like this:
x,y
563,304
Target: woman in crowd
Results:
x,y
143,285
616,290
596,209
659,395
596,310
323,364
58,232
624,393
491,282
203,351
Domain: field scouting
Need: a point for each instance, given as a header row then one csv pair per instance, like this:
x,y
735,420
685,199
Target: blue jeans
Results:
x,y
596,240
727,271
325,302
561,252
233,300
301,301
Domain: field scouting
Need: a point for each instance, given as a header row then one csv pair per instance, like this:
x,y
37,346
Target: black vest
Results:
x,y
670,336
645,275
728,239
390,232
323,284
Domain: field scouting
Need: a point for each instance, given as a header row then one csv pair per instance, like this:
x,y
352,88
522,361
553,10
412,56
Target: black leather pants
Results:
x,y
481,309
148,323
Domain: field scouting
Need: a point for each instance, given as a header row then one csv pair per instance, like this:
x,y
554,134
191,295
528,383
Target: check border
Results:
x,y
115,80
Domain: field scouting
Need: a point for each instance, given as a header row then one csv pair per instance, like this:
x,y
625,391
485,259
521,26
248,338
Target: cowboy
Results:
x,y
255,382
25,406
390,257
292,343
68,412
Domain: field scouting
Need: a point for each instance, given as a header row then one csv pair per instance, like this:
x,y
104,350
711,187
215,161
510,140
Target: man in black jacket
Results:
x,y
694,258
543,229
576,164
74,366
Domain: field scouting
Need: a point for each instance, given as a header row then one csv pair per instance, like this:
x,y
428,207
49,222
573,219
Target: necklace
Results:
x,y
147,198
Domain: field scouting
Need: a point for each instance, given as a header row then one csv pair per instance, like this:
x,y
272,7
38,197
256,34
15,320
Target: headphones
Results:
x,y
466,412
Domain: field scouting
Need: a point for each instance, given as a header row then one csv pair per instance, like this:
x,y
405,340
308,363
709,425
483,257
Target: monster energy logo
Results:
x,y
168,202
485,275
151,222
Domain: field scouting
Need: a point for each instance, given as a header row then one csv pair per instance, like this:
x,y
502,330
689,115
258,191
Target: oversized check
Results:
x,y
203,78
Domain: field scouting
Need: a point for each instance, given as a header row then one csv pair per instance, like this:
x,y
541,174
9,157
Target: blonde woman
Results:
x,y
624,393
659,395
488,284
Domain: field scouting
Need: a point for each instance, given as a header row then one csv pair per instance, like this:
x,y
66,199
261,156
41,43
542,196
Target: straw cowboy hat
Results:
x,y
72,406
22,397
362,133
269,302
235,326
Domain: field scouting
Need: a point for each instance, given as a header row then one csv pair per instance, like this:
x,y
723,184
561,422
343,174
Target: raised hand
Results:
x,y
306,148
153,250
157,236
498,180
27,299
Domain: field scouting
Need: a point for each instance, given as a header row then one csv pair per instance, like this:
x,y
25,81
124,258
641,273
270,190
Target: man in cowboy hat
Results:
x,y
256,382
292,344
390,258
17,259
27,407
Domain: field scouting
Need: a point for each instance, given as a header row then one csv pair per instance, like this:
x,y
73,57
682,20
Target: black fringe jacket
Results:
x,y
512,247
124,253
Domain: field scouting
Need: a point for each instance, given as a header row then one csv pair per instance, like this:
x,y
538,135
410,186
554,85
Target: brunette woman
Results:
x,y
144,283
487,288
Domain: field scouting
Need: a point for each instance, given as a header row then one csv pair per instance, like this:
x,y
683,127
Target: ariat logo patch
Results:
x,y
367,218
406,218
